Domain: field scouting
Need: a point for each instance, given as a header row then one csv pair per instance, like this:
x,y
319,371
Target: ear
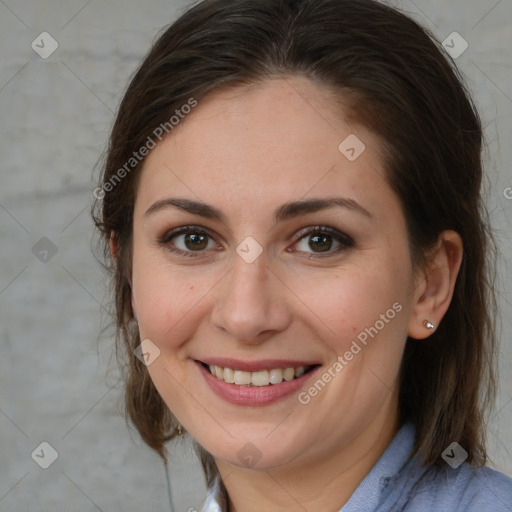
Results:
x,y
112,244
435,285
134,307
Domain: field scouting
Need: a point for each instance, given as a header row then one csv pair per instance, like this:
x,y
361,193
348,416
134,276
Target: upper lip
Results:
x,y
255,366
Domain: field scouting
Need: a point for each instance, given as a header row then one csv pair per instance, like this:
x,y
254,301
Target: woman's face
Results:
x,y
262,245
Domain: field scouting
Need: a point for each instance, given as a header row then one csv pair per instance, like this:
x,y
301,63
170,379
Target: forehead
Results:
x,y
275,140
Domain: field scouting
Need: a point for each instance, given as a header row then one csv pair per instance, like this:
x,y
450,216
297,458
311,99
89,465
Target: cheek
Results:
x,y
168,301
352,299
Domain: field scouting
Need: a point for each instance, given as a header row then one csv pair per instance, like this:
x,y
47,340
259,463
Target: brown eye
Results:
x,y
320,243
195,242
188,240
322,240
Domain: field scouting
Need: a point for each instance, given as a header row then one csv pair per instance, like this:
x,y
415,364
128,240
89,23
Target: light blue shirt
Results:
x,y
400,483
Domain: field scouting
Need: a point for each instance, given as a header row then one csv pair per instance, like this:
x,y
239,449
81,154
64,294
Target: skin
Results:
x,y
247,151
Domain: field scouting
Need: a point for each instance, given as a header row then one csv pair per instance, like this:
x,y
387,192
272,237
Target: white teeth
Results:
x,y
241,377
260,378
275,376
229,376
288,374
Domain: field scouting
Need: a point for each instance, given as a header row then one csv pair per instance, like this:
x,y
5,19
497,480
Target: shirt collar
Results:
x,y
211,503
369,493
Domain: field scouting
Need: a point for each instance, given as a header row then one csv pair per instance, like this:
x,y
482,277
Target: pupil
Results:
x,y
321,242
195,241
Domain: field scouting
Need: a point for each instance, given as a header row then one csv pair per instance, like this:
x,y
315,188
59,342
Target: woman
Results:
x,y
291,202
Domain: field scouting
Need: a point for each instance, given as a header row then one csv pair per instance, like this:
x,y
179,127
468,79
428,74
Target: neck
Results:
x,y
296,487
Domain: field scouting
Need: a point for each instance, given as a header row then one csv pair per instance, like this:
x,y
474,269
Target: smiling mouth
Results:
x,y
260,378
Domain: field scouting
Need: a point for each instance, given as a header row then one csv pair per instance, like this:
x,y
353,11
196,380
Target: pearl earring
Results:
x,y
428,325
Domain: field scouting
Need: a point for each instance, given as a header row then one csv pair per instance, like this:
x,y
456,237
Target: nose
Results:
x,y
250,303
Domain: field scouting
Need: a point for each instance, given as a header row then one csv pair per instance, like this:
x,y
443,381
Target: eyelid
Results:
x,y
324,230
171,233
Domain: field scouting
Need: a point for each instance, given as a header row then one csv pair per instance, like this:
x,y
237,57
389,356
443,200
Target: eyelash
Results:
x,y
344,240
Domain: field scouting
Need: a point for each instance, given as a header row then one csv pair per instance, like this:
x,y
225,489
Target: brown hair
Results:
x,y
398,83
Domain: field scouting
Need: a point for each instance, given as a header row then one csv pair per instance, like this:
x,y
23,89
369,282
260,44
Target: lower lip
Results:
x,y
254,395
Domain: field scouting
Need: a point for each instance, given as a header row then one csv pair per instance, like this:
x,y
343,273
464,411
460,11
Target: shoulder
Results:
x,y
484,489
467,488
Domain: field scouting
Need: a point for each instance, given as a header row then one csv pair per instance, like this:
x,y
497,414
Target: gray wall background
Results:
x,y
58,378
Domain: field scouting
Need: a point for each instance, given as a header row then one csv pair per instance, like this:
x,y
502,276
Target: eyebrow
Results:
x,y
284,212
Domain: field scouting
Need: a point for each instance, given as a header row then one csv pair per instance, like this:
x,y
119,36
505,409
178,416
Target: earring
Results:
x,y
428,324
179,430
